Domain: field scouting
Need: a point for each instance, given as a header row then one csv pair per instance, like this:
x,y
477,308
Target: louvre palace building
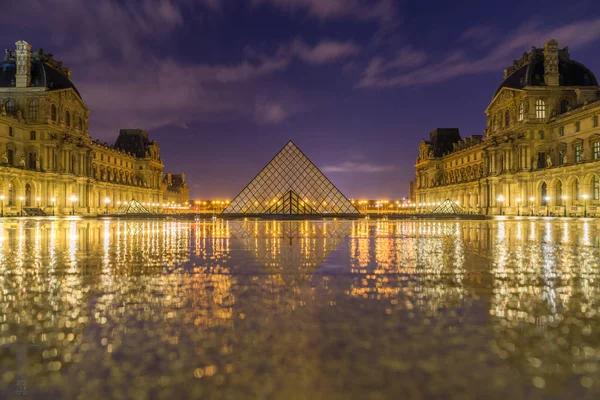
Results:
x,y
540,151
48,161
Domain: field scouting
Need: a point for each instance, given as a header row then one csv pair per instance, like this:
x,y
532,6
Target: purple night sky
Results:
x,y
222,85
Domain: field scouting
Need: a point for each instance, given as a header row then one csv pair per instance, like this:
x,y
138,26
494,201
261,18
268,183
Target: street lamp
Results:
x,y
564,198
500,200
73,199
585,197
53,200
2,205
531,200
38,201
518,207
547,198
106,201
21,198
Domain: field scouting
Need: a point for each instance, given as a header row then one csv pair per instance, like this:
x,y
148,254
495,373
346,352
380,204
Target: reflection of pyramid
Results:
x,y
291,249
290,184
448,207
133,207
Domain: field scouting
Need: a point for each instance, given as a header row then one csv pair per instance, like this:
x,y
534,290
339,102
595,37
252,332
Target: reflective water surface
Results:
x,y
362,309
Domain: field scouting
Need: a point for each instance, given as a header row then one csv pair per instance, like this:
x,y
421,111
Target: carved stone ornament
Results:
x,y
548,161
22,162
505,95
5,158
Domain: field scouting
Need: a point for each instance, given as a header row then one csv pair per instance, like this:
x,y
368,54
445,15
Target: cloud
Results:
x,y
383,11
324,52
456,62
355,167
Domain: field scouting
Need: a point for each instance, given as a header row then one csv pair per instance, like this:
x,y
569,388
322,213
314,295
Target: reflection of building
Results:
x,y
290,184
541,146
48,159
175,189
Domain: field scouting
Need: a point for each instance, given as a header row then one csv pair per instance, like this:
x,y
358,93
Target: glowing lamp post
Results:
x,y
519,207
52,201
37,199
500,200
73,199
2,205
564,199
585,197
531,200
106,202
21,198
547,198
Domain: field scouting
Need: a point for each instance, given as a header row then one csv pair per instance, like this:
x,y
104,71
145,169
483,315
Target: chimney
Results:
x,y
23,75
551,75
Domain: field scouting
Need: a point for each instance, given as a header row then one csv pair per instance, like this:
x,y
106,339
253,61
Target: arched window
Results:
x,y
506,118
540,109
10,106
67,118
53,112
564,106
575,193
33,110
559,193
544,194
521,111
11,194
28,195
596,187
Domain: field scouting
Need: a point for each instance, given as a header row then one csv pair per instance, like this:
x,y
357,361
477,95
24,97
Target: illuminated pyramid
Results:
x,y
290,184
448,207
133,207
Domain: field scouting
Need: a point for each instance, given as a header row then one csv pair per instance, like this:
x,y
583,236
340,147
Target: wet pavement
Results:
x,y
365,309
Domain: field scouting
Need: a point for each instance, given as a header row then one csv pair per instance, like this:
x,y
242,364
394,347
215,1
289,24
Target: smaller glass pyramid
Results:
x,y
133,207
448,207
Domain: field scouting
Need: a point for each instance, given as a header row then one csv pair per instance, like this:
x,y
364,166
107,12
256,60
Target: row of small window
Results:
x,y
462,160
33,109
114,160
32,134
562,153
561,130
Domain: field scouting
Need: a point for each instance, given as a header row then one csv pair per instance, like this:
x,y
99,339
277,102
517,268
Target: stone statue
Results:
x,y
548,161
37,164
22,162
582,157
19,115
5,158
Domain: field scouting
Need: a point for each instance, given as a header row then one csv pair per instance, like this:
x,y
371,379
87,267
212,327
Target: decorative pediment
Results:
x,y
70,95
504,95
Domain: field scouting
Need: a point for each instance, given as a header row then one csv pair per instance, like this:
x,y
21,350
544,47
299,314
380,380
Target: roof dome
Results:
x,y
45,72
529,71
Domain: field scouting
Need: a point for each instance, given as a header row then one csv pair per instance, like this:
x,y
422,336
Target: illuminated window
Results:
x,y
540,109
33,110
10,106
578,152
521,111
596,150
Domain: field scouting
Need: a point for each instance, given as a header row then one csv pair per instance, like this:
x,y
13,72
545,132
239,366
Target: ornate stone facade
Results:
x,y
540,152
48,159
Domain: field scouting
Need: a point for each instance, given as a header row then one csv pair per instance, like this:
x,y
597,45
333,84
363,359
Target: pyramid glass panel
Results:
x,y
133,207
448,207
290,184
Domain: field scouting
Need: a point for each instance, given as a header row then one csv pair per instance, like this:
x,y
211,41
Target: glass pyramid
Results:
x,y
290,184
133,207
448,207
